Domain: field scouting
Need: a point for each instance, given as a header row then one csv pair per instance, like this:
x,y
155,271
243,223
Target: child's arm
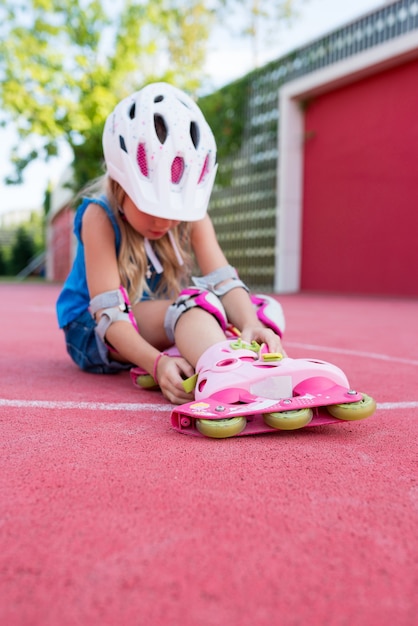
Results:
x,y
103,276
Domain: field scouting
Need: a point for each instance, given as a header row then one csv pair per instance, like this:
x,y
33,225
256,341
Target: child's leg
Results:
x,y
196,331
150,315
195,321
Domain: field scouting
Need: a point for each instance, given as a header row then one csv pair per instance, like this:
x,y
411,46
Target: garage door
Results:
x,y
360,193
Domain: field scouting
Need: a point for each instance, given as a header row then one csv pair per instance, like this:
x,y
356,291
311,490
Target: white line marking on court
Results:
x,y
84,406
367,355
397,405
125,406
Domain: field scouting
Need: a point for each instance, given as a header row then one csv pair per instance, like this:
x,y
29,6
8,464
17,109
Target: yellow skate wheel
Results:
x,y
146,381
221,429
353,410
288,420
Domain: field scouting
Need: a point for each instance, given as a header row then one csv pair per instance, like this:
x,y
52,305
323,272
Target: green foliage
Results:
x,y
226,115
20,244
23,249
4,266
64,65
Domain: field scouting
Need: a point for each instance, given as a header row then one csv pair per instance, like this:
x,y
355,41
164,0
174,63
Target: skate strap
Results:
x,y
272,356
262,350
189,384
239,344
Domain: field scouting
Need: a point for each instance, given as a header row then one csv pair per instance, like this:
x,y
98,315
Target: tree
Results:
x,y
3,263
23,249
64,64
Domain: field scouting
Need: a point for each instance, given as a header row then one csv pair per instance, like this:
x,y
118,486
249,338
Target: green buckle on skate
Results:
x,y
272,356
239,344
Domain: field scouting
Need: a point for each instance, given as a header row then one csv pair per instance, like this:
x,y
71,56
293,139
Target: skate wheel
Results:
x,y
288,420
353,410
221,429
146,381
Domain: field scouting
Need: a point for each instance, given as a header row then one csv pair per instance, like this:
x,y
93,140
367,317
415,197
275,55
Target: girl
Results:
x,y
125,300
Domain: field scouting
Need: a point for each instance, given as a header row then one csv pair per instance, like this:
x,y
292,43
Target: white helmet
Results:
x,y
158,146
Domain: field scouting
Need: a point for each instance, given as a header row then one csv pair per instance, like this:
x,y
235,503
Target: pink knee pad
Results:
x,y
269,312
188,299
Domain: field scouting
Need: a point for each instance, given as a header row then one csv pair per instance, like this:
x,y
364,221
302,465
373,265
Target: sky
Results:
x,y
229,58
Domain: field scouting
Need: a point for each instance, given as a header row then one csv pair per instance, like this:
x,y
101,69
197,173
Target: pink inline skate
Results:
x,y
242,389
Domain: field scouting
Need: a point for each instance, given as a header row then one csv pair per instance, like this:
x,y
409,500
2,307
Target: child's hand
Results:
x,y
171,371
261,334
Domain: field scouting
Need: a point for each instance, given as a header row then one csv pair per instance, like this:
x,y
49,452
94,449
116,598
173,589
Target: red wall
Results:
x,y
61,244
360,208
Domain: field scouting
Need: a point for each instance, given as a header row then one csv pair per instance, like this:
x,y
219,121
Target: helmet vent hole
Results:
x,y
160,128
132,111
194,134
141,157
122,143
177,169
158,99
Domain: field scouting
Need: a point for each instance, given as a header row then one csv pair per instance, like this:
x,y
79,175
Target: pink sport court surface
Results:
x,y
108,516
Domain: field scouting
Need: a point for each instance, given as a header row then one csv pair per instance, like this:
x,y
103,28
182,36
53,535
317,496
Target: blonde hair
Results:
x,y
132,257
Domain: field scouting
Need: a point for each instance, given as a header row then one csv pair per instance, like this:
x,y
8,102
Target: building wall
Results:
x,y
61,241
246,117
60,248
360,187
245,206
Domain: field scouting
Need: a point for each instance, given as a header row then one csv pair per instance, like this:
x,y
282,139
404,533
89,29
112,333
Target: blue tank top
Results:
x,y
74,298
